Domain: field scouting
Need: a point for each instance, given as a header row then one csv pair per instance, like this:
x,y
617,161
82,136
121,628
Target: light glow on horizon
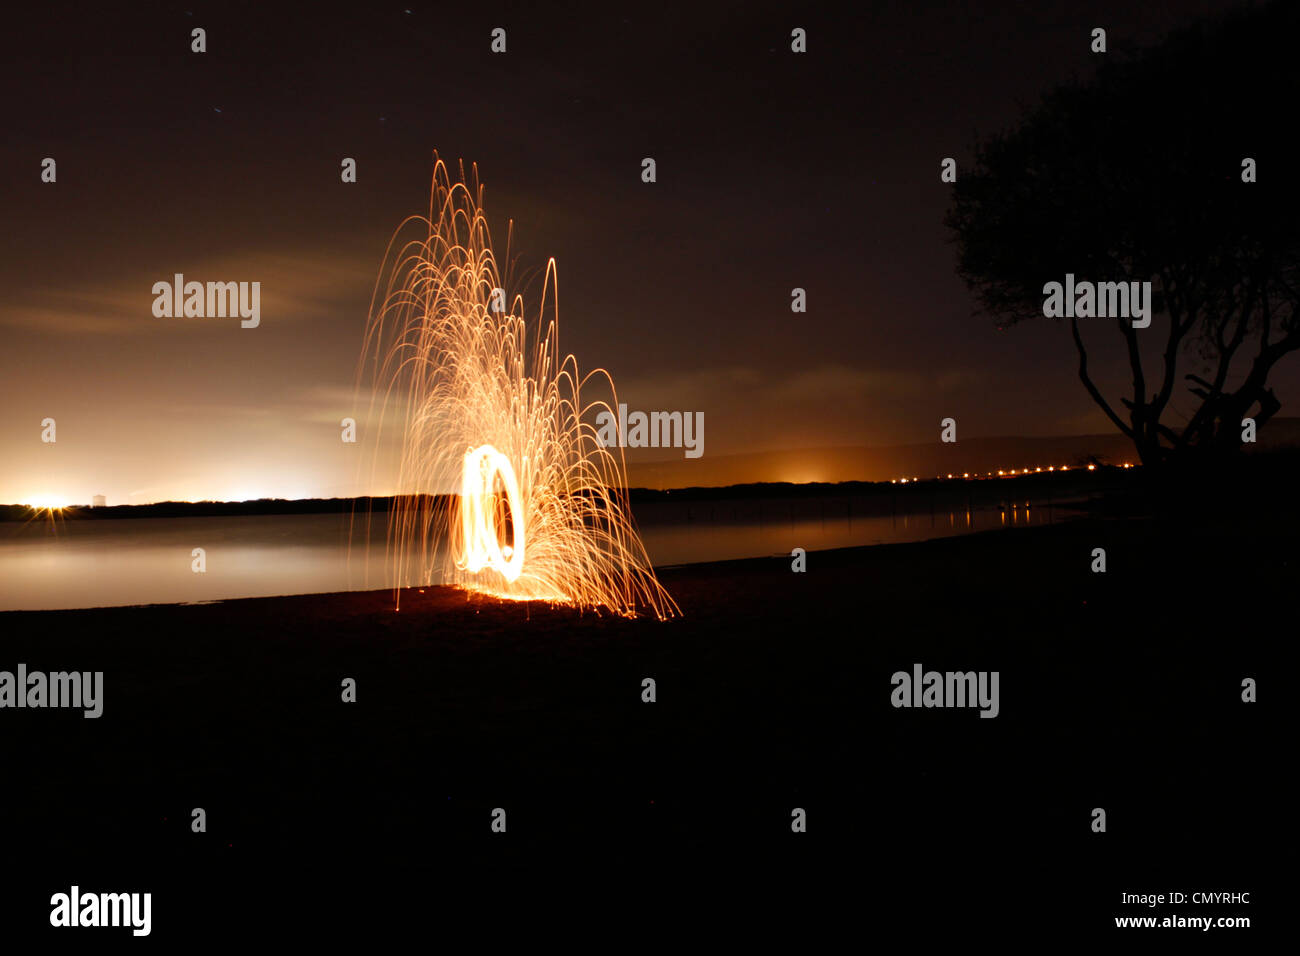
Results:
x,y
46,502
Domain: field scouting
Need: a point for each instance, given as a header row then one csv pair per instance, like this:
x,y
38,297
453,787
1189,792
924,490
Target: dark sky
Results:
x,y
775,170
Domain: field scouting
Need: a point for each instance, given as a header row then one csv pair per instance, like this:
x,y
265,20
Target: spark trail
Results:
x,y
503,484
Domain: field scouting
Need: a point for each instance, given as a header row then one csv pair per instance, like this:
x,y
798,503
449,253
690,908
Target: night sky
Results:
x,y
775,170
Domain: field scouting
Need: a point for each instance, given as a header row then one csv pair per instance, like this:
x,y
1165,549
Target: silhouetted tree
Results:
x,y
1138,175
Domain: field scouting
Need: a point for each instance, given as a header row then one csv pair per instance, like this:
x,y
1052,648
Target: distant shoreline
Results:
x,y
1103,478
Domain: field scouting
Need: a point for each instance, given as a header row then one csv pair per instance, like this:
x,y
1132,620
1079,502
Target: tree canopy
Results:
x,y
1141,174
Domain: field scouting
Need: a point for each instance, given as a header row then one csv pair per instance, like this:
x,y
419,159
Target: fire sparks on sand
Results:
x,y
503,486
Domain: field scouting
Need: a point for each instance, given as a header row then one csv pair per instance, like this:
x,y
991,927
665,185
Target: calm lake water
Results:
x,y
108,562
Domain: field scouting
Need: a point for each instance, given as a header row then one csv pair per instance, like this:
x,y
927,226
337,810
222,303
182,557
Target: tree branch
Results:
x,y
1088,383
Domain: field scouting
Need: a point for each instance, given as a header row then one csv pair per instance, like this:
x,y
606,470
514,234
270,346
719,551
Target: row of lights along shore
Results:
x,y
1002,473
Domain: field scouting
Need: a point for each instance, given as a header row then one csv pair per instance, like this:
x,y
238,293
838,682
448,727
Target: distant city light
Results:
x,y
1003,472
47,503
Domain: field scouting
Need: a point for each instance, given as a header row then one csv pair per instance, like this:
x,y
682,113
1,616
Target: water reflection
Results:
x,y
103,562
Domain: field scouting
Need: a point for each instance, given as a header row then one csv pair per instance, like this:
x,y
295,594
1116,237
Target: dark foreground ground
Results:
x,y
1119,690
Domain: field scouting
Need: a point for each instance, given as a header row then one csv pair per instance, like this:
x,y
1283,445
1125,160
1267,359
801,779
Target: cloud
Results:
x,y
79,312
293,288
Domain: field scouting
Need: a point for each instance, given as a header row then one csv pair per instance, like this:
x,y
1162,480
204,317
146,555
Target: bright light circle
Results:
x,y
478,513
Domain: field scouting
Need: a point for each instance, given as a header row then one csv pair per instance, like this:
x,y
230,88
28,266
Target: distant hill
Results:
x,y
883,463
1076,483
